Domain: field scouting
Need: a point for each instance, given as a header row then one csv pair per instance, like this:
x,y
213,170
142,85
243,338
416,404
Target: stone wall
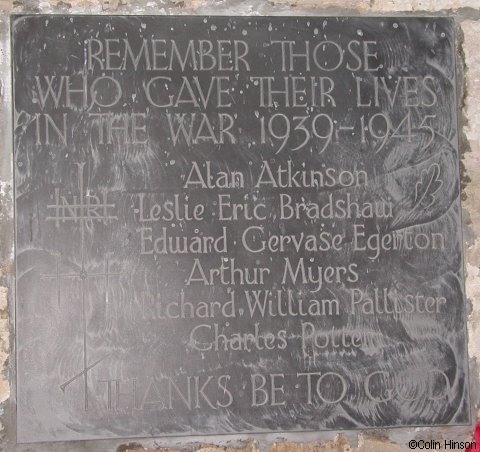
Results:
x,y
467,15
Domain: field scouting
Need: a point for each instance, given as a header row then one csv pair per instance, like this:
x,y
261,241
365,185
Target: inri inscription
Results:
x,y
236,224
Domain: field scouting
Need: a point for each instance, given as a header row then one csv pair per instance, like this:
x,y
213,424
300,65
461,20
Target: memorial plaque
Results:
x,y
236,224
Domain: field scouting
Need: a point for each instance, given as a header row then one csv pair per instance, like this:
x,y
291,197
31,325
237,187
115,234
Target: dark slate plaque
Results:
x,y
236,224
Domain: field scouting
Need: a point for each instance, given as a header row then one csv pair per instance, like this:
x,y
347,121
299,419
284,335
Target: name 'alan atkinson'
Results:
x,y
202,175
